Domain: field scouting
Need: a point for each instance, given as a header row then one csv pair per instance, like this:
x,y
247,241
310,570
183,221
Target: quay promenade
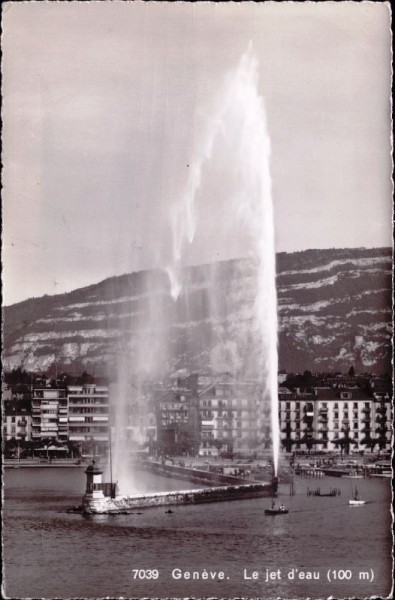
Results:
x,y
42,463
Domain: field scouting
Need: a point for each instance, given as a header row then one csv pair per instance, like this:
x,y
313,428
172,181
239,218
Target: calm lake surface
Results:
x,y
49,553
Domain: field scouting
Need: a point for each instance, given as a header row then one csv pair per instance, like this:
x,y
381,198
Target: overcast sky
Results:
x,y
103,102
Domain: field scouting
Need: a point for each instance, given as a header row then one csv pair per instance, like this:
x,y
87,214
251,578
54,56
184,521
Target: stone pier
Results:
x,y
100,497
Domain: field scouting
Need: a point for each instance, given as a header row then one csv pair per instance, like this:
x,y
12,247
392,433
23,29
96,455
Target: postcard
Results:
x,y
197,300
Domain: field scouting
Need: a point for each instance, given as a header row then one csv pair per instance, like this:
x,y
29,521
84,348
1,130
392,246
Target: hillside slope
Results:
x,y
334,310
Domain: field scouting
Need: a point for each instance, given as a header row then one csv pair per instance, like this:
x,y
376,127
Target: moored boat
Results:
x,y
356,501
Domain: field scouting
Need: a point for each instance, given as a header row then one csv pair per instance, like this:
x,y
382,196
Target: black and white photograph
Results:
x,y
197,250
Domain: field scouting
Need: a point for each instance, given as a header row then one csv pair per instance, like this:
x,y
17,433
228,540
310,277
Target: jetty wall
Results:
x,y
192,475
125,504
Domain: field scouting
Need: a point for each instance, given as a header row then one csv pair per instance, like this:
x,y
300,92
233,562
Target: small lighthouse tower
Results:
x,y
94,497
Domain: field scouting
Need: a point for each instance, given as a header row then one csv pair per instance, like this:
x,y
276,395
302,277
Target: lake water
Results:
x,y
49,553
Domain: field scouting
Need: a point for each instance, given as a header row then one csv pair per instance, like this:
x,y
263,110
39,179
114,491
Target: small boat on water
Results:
x,y
353,475
276,510
356,501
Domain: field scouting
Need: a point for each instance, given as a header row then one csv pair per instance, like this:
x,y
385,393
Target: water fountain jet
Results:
x,y
239,121
239,124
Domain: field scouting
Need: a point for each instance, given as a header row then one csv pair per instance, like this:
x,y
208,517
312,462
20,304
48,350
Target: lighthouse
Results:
x,y
94,497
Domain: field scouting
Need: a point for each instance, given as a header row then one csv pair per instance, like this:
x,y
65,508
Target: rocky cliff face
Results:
x,y
334,310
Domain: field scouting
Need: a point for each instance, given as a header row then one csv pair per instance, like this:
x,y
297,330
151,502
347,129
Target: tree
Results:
x,y
288,443
351,371
217,443
345,443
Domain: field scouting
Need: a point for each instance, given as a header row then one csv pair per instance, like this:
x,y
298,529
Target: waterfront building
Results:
x,y
296,415
178,422
49,414
382,416
17,420
334,419
230,417
88,414
343,418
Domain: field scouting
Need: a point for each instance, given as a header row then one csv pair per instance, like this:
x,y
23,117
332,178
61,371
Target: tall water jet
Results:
x,y
238,128
144,338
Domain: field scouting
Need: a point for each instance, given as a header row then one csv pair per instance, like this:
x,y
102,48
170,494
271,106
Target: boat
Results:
x,y
353,475
276,510
356,501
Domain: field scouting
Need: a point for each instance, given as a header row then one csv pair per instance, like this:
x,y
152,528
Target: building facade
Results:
x,y
178,421
232,417
88,413
334,419
49,414
17,421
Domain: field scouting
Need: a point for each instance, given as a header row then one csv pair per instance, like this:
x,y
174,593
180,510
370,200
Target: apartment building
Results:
x,y
17,420
333,419
232,417
382,419
88,412
178,421
49,414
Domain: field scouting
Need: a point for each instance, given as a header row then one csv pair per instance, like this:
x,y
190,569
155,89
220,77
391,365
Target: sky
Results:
x,y
103,103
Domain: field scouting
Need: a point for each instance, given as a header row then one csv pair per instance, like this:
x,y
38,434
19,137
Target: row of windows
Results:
x,y
324,405
96,400
233,403
89,410
346,415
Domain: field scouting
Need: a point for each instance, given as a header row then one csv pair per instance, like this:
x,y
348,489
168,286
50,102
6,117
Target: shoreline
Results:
x,y
43,464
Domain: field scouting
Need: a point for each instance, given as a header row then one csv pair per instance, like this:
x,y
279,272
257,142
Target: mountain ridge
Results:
x,y
334,310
